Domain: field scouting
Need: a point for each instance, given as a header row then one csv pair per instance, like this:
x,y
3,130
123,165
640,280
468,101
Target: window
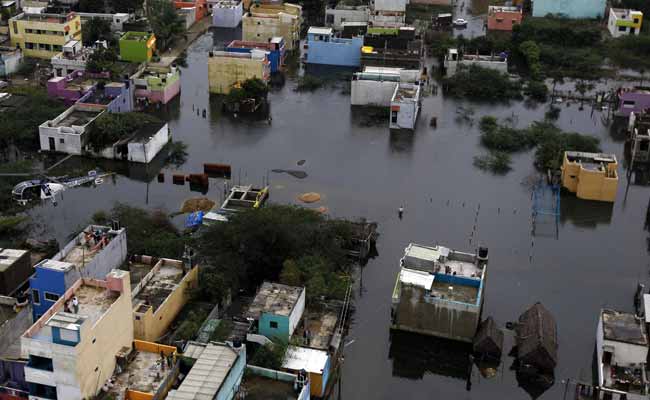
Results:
x,y
499,20
69,335
51,296
15,27
636,20
393,117
273,325
36,296
37,362
622,28
628,103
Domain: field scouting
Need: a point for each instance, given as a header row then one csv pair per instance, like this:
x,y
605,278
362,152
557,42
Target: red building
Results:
x,y
503,18
200,5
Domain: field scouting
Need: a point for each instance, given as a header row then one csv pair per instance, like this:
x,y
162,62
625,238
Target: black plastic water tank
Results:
x,y
482,252
236,343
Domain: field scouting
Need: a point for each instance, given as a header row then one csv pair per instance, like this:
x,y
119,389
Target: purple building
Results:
x,y
636,99
71,87
117,97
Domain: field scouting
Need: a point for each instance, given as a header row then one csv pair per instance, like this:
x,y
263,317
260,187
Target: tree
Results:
x,y
94,30
112,127
92,6
101,60
126,6
167,25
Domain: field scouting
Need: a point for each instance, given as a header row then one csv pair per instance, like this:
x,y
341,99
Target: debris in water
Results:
x,y
197,204
301,162
292,172
310,197
322,210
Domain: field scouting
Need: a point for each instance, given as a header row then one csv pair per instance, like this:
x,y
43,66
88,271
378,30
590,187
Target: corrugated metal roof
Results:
x,y
206,376
417,278
311,360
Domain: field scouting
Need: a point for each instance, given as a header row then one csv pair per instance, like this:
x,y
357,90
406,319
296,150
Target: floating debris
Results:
x,y
310,197
292,172
301,162
197,204
322,210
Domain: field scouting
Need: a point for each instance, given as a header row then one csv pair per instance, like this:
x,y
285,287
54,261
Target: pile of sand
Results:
x,y
310,197
197,204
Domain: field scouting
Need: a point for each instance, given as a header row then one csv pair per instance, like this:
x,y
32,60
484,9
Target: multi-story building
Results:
x,y
137,46
276,310
570,9
635,99
639,131
336,16
454,61
375,86
405,106
116,20
324,48
116,97
265,21
15,269
74,346
10,60
225,68
68,132
71,87
274,49
591,176
43,35
502,18
73,58
157,84
226,13
92,254
623,22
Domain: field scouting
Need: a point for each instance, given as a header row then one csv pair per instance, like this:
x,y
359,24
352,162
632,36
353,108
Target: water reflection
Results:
x,y
401,141
585,213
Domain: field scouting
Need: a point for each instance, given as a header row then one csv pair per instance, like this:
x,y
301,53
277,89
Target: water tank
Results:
x,y
483,253
115,225
236,343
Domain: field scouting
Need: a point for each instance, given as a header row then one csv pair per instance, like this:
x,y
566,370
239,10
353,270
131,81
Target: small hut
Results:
x,y
537,340
488,342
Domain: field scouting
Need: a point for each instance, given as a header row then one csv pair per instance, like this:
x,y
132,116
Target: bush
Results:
x,y
503,138
270,356
482,84
309,83
536,90
497,162
112,127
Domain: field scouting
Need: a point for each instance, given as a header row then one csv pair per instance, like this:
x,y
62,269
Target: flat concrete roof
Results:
x,y
274,298
623,327
9,256
311,360
416,278
145,373
56,265
440,259
319,30
162,283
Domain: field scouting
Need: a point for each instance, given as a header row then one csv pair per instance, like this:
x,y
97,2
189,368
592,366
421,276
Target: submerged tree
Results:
x,y
167,25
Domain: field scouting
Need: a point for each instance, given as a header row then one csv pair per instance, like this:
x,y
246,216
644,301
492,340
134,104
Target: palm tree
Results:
x,y
167,25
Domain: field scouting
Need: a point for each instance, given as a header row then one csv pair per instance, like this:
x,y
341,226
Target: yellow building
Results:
x,y
266,21
227,68
43,35
591,176
159,297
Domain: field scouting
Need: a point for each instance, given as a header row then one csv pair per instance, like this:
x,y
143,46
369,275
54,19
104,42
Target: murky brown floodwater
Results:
x,y
597,260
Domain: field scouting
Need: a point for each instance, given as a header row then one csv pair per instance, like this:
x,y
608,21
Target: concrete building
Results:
x,y
388,13
157,84
501,18
454,61
71,87
621,356
73,58
10,61
263,22
141,146
623,22
335,17
316,363
116,20
639,130
160,296
92,254
392,47
276,310
324,48
188,14
635,99
200,7
116,97
375,86
72,352
226,13
15,269
216,374
439,292
275,50
570,9
43,35
405,106
137,46
67,133
14,320
258,380
225,68
591,176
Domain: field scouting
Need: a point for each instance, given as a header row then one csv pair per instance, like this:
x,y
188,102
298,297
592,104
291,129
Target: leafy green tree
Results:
x,y
537,90
102,60
270,356
92,6
111,127
531,53
482,84
167,25
96,29
126,6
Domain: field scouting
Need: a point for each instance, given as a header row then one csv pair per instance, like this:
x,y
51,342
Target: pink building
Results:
x,y
502,18
157,85
71,87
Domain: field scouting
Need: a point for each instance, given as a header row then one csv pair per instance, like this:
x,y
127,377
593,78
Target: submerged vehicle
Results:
x,y
49,187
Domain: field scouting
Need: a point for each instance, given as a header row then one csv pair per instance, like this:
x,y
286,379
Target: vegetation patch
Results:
x,y
497,162
481,84
112,127
309,83
270,356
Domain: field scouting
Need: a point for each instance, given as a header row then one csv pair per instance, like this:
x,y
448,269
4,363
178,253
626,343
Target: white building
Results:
x,y
142,146
189,15
405,106
67,132
335,17
117,20
453,60
226,13
622,353
623,22
73,58
375,86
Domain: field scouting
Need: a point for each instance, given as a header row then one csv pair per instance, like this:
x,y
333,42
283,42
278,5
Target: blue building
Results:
x,y
92,254
274,48
277,309
570,8
324,48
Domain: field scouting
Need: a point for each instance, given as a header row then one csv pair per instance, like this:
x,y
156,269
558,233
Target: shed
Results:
x,y
488,342
315,362
537,339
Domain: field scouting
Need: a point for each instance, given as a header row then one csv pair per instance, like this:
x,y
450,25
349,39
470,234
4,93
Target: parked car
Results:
x,y
460,22
3,84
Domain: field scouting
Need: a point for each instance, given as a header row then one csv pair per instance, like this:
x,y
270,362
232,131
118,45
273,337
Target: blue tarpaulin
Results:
x,y
194,219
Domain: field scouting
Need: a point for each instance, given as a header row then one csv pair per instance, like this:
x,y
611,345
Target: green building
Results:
x,y
137,46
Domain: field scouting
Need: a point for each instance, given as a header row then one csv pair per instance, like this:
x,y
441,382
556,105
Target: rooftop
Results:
x,y
623,327
55,265
439,259
493,9
406,91
314,30
159,284
624,12
86,245
77,117
321,325
274,298
261,388
51,18
99,95
591,161
9,256
136,36
299,358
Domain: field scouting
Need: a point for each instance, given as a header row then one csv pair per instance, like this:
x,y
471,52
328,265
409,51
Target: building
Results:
x,y
501,18
67,133
160,296
73,58
337,16
116,20
263,22
14,320
488,342
405,106
388,13
43,35
225,68
392,47
639,130
188,14
275,50
147,371
140,146
216,374
439,292
200,7
15,269
276,310
591,176
536,339
10,61
570,9
454,61
623,22
71,87
137,46
157,84
73,350
93,253
317,364
324,48
375,86
636,99
433,2
116,97
226,13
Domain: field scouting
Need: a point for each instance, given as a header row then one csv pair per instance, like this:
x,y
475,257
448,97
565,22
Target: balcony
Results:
x,y
39,376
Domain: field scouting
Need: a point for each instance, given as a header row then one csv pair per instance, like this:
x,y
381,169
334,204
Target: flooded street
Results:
x,y
597,259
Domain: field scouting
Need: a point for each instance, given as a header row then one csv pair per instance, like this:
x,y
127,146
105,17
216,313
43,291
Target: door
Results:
x,y
52,144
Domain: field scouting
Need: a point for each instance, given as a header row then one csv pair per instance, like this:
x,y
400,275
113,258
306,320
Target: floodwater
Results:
x,y
596,259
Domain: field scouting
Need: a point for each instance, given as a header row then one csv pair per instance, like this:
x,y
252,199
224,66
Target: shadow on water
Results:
x,y
401,141
584,213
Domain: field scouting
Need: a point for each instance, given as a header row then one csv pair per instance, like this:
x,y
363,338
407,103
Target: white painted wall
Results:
x,y
145,152
297,312
345,15
390,5
372,93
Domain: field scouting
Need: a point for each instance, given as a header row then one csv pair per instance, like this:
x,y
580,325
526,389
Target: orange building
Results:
x,y
200,5
503,18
